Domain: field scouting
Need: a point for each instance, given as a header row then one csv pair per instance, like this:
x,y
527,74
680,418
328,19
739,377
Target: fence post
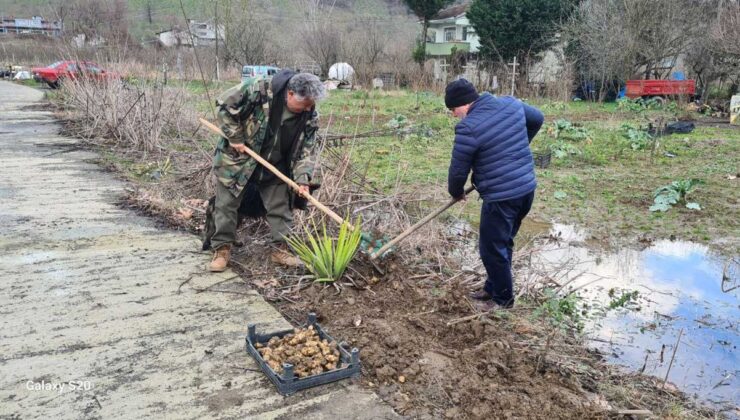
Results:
x,y
513,75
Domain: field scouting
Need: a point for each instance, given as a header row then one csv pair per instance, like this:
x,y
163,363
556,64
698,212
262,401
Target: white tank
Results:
x,y
341,71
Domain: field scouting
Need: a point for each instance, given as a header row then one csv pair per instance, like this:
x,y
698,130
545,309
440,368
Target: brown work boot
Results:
x,y
490,305
480,295
282,255
220,259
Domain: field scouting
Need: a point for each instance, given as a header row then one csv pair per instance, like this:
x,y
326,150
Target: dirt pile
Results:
x,y
428,369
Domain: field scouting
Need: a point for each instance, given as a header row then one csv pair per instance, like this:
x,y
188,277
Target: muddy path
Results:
x,y
107,315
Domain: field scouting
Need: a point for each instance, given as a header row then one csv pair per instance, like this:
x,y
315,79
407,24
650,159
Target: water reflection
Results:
x,y
680,287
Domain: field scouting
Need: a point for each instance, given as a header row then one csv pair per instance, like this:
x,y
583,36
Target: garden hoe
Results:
x,y
384,249
366,238
282,177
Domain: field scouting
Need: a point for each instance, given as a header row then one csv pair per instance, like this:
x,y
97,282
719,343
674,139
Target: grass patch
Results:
x,y
608,183
31,83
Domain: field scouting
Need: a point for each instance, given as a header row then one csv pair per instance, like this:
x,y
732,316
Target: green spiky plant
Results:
x,y
325,257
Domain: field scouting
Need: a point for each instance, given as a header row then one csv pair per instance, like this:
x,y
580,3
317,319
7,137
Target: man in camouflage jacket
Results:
x,y
277,119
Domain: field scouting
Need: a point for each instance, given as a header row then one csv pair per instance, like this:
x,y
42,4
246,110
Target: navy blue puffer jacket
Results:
x,y
493,140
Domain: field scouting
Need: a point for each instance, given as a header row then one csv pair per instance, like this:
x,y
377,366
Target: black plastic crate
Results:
x,y
542,159
288,383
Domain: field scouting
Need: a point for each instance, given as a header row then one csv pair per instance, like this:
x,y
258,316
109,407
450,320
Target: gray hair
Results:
x,y
307,86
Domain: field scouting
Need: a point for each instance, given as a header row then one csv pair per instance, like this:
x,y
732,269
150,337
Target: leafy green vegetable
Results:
x,y
675,192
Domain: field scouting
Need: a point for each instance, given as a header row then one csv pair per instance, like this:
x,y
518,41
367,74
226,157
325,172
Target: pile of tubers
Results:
x,y
303,348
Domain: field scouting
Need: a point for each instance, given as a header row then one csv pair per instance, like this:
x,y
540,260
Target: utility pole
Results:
x,y
513,75
215,2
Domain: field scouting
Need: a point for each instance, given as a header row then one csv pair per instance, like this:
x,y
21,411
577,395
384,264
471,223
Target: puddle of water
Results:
x,y
680,287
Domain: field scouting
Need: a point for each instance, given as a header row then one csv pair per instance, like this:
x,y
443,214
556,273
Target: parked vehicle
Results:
x,y
249,72
9,71
660,88
55,74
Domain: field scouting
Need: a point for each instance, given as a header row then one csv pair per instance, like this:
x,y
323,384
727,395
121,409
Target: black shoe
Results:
x,y
480,295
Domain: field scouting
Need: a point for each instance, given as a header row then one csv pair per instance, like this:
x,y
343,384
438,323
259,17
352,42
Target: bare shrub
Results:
x,y
385,212
562,90
399,62
134,116
35,51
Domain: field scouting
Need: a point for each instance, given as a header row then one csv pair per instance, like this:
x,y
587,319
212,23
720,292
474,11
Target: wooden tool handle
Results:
x,y
418,224
280,175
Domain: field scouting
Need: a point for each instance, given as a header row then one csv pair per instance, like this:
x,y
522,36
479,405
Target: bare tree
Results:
x,y
248,38
725,33
714,55
96,19
601,48
364,48
148,11
661,30
60,11
619,39
321,37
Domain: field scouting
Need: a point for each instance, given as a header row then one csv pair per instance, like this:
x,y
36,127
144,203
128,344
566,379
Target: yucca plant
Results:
x,y
325,257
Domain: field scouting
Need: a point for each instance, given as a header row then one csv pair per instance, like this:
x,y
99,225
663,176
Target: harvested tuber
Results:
x,y
302,348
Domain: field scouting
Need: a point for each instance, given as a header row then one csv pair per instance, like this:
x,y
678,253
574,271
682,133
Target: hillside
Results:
x,y
146,17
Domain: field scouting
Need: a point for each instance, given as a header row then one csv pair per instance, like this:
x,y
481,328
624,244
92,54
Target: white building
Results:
x,y
450,30
35,25
203,34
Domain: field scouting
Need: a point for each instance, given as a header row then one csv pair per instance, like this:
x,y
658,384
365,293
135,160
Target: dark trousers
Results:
x,y
499,224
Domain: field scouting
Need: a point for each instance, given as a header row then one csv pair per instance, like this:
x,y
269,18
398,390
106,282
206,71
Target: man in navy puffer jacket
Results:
x,y
492,139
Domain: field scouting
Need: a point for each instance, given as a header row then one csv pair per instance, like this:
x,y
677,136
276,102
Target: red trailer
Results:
x,y
643,88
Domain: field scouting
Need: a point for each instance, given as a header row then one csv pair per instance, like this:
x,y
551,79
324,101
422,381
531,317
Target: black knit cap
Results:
x,y
459,93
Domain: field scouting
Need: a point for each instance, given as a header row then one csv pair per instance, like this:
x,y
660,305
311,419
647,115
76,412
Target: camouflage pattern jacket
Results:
x,y
246,114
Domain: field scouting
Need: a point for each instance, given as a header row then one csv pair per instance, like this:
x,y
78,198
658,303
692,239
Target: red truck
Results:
x,y
662,88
